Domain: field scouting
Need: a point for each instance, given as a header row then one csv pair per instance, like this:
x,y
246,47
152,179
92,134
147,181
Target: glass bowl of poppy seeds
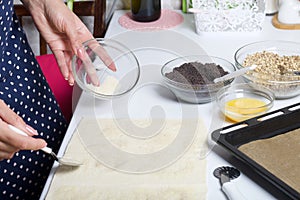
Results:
x,y
191,78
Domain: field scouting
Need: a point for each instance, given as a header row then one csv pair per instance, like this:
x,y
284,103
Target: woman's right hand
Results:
x,y
10,141
65,33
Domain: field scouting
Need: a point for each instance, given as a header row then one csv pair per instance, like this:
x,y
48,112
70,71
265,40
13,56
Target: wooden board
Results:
x,y
280,25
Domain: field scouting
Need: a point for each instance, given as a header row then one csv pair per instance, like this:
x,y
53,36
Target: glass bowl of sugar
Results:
x,y
106,69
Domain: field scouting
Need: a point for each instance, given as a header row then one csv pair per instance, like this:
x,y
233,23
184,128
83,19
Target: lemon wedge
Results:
x,y
244,108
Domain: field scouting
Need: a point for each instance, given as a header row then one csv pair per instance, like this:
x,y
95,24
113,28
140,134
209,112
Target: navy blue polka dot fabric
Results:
x,y
24,88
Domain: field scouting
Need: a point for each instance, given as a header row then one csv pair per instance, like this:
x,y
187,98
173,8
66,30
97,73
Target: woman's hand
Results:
x,y
65,32
11,142
62,29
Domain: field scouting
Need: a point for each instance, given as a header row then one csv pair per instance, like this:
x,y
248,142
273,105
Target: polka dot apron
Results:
x,y
24,88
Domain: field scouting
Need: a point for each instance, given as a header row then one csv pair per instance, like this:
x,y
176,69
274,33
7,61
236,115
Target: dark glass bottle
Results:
x,y
145,10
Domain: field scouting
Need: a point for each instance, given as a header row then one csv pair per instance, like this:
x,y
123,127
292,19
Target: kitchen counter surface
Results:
x,y
155,47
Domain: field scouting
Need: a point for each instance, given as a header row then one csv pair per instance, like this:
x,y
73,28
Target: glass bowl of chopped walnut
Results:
x,y
278,66
191,78
106,68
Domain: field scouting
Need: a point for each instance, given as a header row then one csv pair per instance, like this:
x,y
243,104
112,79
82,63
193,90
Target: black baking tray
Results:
x,y
265,126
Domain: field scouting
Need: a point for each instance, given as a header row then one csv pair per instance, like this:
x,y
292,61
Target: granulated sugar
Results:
x,y
106,87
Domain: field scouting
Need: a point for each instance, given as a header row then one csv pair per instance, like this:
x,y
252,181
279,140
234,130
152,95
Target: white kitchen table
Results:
x,y
156,48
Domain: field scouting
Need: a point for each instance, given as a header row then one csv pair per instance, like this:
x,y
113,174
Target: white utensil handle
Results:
x,y
15,129
235,74
232,192
47,150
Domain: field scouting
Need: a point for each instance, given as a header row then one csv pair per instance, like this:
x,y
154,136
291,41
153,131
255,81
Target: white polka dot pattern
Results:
x,y
24,88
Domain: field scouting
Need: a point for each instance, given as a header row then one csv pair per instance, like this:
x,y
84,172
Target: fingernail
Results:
x,y
80,52
31,130
112,66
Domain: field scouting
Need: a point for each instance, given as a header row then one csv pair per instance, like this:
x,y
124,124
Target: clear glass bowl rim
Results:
x,y
106,96
268,94
256,74
208,87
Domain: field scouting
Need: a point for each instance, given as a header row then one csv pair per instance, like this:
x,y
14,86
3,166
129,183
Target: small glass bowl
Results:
x,y
202,93
239,102
283,85
111,83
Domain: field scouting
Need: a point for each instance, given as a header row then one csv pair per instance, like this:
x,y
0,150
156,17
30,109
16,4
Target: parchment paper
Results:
x,y
279,155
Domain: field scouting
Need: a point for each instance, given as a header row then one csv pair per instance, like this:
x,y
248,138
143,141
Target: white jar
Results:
x,y
289,11
271,7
